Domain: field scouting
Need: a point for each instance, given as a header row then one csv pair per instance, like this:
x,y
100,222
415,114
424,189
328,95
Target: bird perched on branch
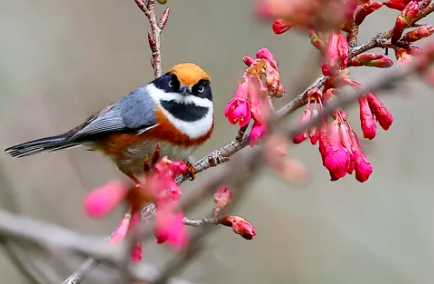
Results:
x,y
174,112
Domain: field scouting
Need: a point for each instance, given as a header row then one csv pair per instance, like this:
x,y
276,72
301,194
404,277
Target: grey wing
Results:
x,y
133,113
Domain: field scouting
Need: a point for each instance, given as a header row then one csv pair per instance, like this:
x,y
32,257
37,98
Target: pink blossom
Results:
x,y
362,165
258,131
170,227
343,50
265,53
307,115
161,182
332,55
103,200
314,131
238,109
260,107
223,195
367,120
336,157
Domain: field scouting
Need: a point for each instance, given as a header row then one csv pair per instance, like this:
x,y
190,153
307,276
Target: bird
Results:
x,y
174,112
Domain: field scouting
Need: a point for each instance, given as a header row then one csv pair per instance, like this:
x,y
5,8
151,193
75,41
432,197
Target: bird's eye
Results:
x,y
200,89
171,83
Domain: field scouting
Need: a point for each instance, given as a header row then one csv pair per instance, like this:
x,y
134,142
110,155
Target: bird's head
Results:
x,y
185,92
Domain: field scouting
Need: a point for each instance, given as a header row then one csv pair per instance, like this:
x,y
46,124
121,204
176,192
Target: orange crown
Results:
x,y
189,74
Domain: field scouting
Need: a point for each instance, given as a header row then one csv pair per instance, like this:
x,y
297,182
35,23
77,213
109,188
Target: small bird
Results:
x,y
174,111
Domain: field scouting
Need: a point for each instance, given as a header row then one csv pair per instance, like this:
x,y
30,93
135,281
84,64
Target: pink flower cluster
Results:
x,y
338,143
251,100
160,189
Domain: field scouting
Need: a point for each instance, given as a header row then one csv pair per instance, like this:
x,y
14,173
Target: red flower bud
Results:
x,y
265,53
248,60
239,226
396,4
383,115
371,59
419,33
367,120
362,165
316,41
343,50
405,19
280,26
244,229
362,11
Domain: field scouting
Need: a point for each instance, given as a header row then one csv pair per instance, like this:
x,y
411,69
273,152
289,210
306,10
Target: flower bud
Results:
x,y
280,26
248,60
362,11
371,59
316,41
419,33
404,20
383,115
265,53
367,120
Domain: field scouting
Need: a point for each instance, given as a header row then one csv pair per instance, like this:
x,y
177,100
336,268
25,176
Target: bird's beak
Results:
x,y
184,91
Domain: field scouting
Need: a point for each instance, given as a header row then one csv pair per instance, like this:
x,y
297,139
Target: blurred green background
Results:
x,y
63,60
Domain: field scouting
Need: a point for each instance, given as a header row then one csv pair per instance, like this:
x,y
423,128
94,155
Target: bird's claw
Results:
x,y
191,169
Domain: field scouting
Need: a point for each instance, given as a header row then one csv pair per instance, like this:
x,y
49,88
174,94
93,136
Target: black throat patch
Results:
x,y
185,112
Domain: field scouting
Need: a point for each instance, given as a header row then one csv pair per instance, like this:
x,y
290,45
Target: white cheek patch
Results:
x,y
195,129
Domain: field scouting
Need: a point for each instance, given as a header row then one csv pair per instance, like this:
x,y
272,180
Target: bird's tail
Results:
x,y
47,144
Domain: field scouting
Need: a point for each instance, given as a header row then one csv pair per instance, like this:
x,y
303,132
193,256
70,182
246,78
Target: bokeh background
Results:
x,y
60,61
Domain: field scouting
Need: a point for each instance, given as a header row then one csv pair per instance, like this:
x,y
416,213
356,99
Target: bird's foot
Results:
x,y
148,165
191,169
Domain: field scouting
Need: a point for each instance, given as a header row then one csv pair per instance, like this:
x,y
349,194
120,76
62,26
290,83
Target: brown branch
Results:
x,y
154,36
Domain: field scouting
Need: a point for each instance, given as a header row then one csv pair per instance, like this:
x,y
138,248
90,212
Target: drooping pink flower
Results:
x,y
362,165
128,223
169,227
330,65
238,109
260,107
259,129
306,116
336,158
383,115
314,131
367,120
103,200
343,50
